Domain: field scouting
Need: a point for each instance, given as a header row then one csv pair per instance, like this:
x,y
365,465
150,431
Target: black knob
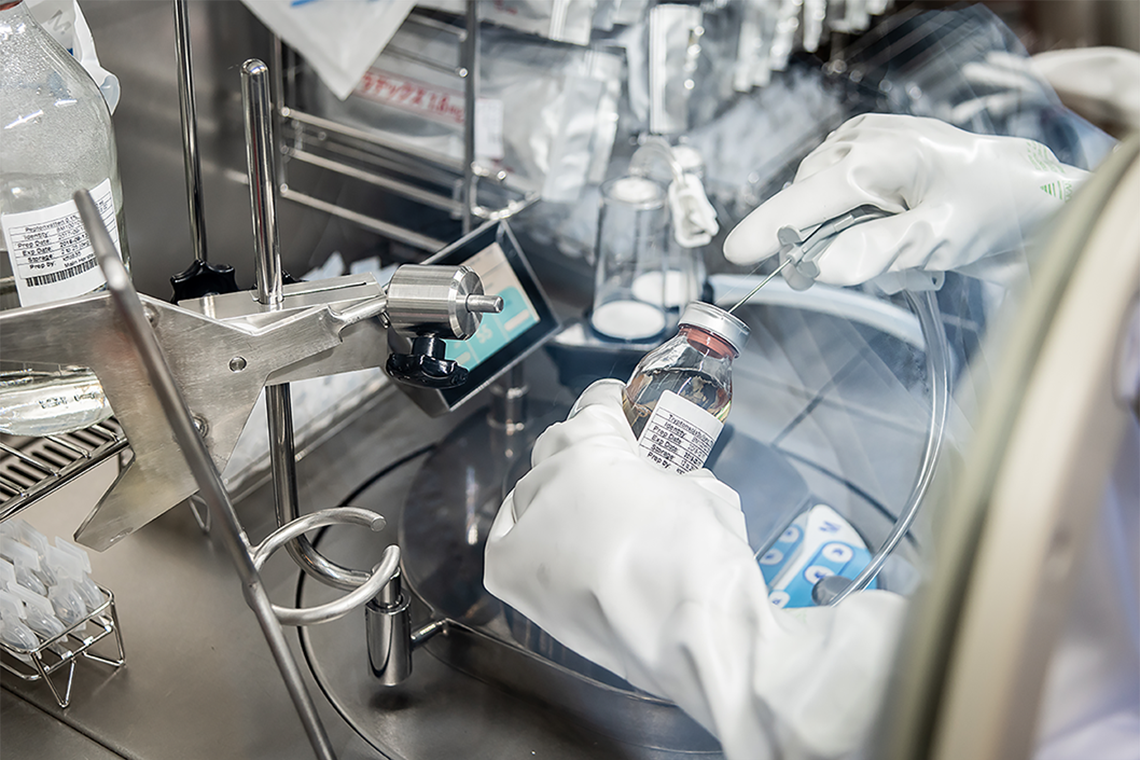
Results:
x,y
426,365
203,279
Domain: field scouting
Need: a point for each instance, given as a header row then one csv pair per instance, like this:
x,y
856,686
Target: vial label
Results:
x,y
679,435
52,259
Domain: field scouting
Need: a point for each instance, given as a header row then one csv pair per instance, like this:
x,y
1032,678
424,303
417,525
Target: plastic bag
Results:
x,y
561,21
65,22
546,112
340,38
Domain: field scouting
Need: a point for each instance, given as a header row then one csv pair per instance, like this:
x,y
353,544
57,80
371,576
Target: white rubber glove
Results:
x,y
1100,83
956,197
649,574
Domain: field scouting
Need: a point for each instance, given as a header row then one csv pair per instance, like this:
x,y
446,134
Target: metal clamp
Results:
x,y
144,347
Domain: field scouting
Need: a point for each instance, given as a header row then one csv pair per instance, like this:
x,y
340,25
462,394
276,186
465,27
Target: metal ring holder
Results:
x,y
213,491
247,559
381,574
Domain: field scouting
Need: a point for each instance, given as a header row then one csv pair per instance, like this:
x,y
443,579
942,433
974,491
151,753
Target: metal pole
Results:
x,y
210,484
278,398
262,184
189,130
470,98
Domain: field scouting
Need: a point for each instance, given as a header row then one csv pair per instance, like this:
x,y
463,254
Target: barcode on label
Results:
x,y
679,435
47,279
51,256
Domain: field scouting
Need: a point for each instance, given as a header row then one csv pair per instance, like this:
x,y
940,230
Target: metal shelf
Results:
x,y
32,468
439,182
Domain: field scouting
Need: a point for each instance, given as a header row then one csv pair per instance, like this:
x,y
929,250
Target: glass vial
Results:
x,y
57,138
679,395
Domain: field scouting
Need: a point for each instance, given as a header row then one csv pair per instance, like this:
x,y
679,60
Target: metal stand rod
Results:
x,y
470,69
262,183
189,130
209,482
279,409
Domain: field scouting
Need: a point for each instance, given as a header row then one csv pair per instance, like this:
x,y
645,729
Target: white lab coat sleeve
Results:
x,y
649,574
1091,702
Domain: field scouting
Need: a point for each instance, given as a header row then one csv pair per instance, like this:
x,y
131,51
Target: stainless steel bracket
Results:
x,y
137,346
219,366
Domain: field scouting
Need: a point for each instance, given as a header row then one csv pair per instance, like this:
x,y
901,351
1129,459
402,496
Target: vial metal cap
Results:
x,y
717,321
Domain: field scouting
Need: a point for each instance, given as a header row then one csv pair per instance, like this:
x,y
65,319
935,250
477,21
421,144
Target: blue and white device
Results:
x,y
818,543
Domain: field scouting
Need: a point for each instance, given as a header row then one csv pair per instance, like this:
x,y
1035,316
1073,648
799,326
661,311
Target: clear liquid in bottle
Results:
x,y
642,393
58,139
680,393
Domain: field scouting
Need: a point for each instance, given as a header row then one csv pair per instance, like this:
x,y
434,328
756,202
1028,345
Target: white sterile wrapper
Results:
x,y
562,21
65,23
546,114
674,34
340,38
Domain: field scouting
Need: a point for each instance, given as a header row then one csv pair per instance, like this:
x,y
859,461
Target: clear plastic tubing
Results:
x,y
938,365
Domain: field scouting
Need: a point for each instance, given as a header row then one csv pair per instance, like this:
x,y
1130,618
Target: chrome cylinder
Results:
x,y
389,631
262,179
508,410
189,114
441,301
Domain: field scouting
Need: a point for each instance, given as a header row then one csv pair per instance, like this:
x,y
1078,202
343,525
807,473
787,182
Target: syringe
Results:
x,y
802,251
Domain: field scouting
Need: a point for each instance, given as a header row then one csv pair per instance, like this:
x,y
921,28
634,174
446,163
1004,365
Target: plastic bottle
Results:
x,y
71,565
57,139
13,632
26,562
679,395
38,613
7,574
67,603
21,530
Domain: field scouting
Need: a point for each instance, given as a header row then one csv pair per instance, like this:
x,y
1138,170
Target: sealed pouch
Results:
x,y
545,117
559,20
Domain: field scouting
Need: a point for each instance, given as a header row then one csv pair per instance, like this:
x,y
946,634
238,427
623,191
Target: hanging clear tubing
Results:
x,y
937,363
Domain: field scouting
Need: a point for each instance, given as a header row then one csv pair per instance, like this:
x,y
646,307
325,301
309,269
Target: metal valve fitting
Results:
x,y
439,301
431,304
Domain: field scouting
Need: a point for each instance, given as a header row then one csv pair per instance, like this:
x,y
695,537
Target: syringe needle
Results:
x,y
763,282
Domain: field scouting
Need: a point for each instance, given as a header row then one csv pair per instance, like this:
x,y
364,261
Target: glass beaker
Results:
x,y
629,281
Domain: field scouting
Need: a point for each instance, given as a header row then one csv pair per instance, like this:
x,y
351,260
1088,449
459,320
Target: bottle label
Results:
x,y
52,259
679,435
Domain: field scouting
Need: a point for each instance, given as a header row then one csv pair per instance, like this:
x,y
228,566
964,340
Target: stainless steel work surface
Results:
x,y
452,494
199,681
27,731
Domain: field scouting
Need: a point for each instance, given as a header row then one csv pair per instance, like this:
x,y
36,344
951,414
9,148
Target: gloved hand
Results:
x,y
649,574
1100,83
956,198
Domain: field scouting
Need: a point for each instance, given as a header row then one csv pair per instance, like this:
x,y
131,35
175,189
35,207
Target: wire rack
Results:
x,y
427,179
31,468
59,654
